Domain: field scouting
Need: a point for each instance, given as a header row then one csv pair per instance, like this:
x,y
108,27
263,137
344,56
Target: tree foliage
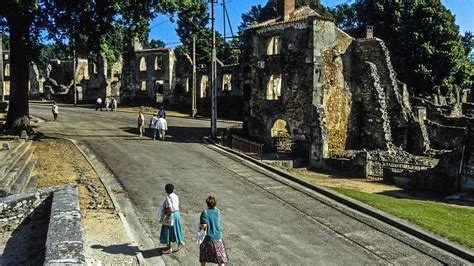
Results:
x,y
423,39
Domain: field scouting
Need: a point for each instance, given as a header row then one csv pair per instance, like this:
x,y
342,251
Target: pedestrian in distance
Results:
x,y
107,104
212,249
114,104
161,127
55,110
141,123
162,112
172,234
98,104
152,125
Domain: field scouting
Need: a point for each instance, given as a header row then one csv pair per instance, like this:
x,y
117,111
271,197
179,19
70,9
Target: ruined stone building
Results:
x,y
148,76
312,90
93,80
35,83
229,91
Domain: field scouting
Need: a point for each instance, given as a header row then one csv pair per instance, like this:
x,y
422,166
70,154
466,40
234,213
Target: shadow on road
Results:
x,y
174,134
125,249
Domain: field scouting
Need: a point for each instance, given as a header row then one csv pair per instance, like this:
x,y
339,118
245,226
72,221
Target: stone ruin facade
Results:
x,y
140,76
149,76
311,90
35,83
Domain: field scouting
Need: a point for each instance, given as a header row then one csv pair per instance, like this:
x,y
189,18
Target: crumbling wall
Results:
x,y
336,101
369,122
444,137
374,50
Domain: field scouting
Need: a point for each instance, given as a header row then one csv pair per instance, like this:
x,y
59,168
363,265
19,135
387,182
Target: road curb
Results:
x,y
119,209
400,224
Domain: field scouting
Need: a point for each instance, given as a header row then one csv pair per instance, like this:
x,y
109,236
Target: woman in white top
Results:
x,y
172,234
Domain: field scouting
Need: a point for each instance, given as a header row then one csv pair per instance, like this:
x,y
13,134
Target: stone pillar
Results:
x,y
420,113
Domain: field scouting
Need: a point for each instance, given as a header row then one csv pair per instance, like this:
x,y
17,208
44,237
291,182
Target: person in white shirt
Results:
x,y
114,104
98,104
55,110
172,234
162,127
107,103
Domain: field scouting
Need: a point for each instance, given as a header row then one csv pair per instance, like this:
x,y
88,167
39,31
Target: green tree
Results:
x,y
154,44
422,37
5,41
468,42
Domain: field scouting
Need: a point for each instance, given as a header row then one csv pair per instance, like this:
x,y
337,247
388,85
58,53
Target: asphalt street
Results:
x,y
264,221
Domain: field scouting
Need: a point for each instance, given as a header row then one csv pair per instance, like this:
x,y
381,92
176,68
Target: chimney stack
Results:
x,y
286,8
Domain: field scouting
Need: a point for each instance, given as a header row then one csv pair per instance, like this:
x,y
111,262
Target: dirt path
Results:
x,y
105,240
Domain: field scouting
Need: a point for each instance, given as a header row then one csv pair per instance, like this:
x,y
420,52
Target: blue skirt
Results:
x,y
172,234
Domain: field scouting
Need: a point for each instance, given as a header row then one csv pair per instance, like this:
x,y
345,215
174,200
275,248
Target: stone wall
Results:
x,y
446,137
336,101
370,126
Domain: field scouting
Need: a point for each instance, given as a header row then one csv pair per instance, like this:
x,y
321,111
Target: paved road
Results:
x,y
264,221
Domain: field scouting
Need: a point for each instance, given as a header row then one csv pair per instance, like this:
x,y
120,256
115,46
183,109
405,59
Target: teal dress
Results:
x,y
172,234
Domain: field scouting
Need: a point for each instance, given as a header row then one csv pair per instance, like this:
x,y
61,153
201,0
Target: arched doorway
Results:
x,y
281,136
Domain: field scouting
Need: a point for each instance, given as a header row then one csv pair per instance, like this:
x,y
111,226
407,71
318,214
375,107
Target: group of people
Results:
x,y
212,248
157,125
109,104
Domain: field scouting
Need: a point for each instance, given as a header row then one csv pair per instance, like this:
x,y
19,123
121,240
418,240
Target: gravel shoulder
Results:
x,y
105,240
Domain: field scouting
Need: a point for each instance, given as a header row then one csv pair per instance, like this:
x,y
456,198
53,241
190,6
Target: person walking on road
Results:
x,y
172,234
212,249
55,110
152,125
161,127
162,112
98,104
141,123
107,103
114,104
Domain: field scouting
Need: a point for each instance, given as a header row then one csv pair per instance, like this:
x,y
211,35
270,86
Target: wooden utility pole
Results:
x,y
194,111
2,88
74,66
213,76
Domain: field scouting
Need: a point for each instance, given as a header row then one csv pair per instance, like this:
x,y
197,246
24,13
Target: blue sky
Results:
x,y
162,29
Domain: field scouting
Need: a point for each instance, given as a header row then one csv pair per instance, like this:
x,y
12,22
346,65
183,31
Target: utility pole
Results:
x,y
194,111
223,14
2,88
74,66
213,76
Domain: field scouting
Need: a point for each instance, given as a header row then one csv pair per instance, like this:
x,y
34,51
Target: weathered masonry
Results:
x,y
35,82
148,75
314,91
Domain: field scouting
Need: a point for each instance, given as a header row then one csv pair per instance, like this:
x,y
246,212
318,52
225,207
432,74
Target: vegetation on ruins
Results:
x,y
439,218
425,43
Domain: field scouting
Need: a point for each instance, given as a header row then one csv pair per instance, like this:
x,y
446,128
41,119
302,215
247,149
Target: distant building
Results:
x,y
148,76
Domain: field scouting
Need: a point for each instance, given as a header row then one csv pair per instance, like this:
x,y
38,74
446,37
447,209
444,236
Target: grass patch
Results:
x,y
451,222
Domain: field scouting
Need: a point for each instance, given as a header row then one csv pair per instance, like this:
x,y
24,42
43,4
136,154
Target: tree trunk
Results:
x,y
19,75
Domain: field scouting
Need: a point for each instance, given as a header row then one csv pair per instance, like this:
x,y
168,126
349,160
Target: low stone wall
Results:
x,y
64,244
15,208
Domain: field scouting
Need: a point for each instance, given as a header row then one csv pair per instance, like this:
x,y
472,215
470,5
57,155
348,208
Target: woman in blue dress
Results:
x,y
172,234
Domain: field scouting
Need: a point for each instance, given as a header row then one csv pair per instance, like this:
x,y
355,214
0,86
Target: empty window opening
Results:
x,y
158,62
142,64
274,87
159,86
227,82
143,85
204,86
7,70
274,46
